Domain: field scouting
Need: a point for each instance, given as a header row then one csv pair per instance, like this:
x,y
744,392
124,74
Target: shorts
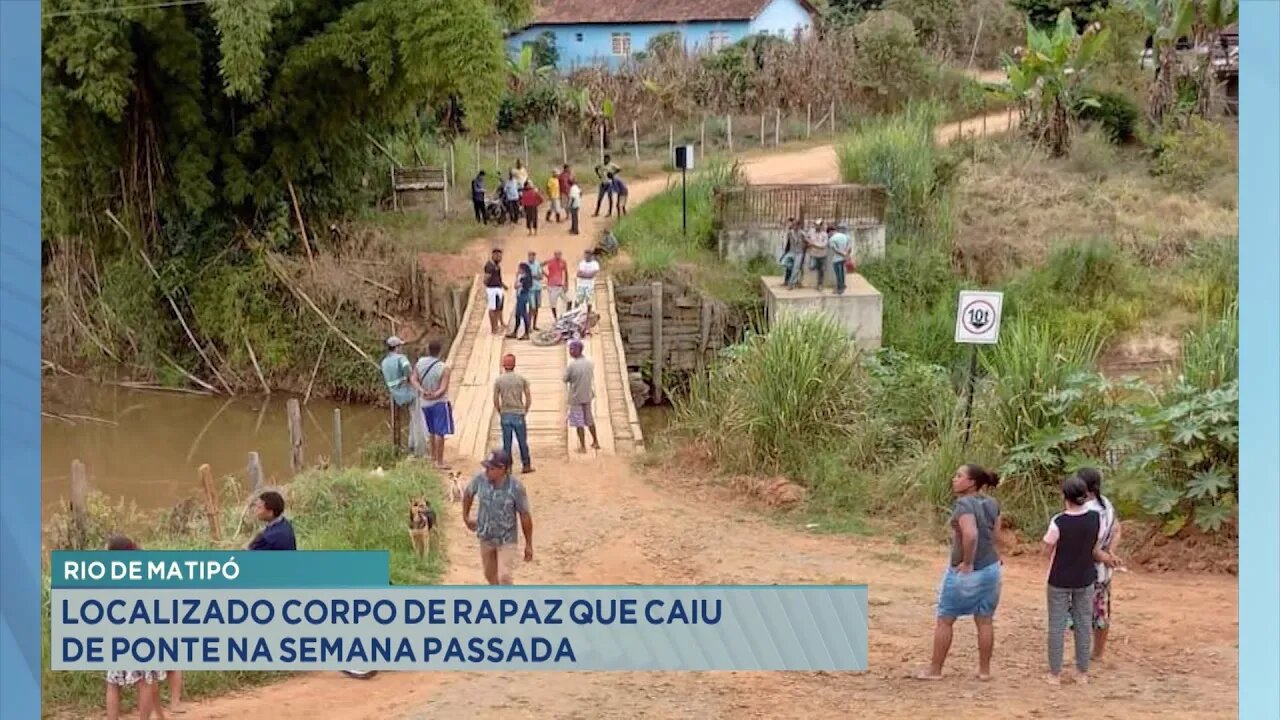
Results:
x,y
439,418
554,293
580,416
499,562
1101,606
129,678
535,296
974,594
585,291
495,296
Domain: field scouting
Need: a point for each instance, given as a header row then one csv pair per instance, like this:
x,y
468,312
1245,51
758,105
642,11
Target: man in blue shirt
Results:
x,y
278,533
511,198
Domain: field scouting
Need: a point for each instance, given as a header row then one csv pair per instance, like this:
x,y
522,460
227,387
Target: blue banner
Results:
x,y
625,628
221,569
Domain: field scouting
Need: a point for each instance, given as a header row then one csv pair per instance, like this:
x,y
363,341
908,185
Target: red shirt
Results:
x,y
566,179
556,271
530,198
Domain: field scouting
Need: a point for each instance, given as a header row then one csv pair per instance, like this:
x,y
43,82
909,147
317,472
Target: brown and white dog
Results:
x,y
422,520
455,486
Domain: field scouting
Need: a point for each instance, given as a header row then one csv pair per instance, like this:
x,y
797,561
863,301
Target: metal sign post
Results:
x,y
684,161
977,323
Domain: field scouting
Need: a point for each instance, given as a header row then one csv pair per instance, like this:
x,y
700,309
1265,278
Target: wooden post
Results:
x,y
526,150
601,142
777,126
762,131
459,305
702,146
426,301
808,121
254,472
337,438
295,434
671,144
477,157
564,149
79,503
497,162
655,307
395,198
212,507
445,178
984,117
833,116
453,165
728,123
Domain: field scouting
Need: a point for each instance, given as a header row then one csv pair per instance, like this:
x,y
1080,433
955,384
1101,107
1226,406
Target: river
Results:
x,y
145,446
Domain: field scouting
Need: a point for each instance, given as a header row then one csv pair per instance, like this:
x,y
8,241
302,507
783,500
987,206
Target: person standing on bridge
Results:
x,y
580,376
501,503
537,273
511,400
588,269
557,273
494,290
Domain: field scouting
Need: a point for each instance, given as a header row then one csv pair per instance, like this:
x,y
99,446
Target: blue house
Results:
x,y
588,32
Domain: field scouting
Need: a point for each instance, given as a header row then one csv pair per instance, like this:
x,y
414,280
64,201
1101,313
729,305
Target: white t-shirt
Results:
x,y
587,271
1106,529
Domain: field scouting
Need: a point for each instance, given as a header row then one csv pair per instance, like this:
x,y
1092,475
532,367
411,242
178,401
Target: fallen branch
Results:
x,y
377,284
152,387
195,444
189,376
314,308
256,368
324,345
302,226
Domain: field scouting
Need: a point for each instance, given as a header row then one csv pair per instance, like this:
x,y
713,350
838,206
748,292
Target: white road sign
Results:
x,y
978,318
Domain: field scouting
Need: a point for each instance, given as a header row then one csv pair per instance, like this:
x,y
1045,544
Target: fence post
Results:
x,y
497,163
702,147
295,433
728,123
564,146
395,197
635,141
808,121
80,503
833,117
526,150
762,131
777,126
602,142
212,507
337,438
655,309
671,144
255,473
453,165
477,157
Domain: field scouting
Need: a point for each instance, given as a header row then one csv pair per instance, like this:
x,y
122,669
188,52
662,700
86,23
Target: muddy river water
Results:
x,y
145,446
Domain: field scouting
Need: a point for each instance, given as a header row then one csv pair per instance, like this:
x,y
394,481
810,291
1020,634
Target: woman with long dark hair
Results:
x,y
1109,536
971,582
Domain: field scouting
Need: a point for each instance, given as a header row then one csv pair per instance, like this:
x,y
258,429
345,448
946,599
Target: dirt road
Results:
x,y
1174,644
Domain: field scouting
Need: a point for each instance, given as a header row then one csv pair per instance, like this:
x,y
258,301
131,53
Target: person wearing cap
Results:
x,y
401,381
511,400
501,503
579,376
841,248
494,290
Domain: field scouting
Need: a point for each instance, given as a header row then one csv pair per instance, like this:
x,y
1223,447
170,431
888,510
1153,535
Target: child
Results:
x,y
147,681
1073,539
1110,535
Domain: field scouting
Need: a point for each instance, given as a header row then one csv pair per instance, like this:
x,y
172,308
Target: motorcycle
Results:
x,y
495,212
572,325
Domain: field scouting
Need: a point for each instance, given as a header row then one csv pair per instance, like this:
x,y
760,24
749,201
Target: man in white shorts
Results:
x,y
495,290
588,269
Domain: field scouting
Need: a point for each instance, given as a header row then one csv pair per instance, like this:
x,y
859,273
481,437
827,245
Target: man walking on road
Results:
x,y
502,502
604,172
580,377
511,400
477,196
494,290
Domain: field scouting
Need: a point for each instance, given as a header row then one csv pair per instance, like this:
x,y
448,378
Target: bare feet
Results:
x,y
1053,679
926,674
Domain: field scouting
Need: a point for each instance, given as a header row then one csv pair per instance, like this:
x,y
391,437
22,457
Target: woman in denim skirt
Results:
x,y
971,583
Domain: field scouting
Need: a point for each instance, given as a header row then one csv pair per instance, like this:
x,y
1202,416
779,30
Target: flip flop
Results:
x,y
925,676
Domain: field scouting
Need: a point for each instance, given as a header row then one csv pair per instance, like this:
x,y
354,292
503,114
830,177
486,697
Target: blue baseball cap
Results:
x,y
497,459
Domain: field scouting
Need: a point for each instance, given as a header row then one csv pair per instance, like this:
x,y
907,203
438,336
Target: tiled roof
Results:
x,y
615,12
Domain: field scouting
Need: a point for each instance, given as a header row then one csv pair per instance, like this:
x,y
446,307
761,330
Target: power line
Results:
x,y
125,8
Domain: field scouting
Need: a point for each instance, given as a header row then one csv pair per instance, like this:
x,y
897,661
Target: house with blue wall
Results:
x,y
607,32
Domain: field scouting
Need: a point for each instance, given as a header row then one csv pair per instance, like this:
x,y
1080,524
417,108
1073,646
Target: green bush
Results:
x,y
1211,354
900,153
1188,159
1114,112
891,67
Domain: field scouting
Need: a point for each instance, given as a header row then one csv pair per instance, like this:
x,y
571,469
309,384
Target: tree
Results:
x,y
1044,14
1167,21
187,120
1050,77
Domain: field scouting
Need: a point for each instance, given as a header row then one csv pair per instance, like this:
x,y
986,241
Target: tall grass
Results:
x,y
1211,354
330,510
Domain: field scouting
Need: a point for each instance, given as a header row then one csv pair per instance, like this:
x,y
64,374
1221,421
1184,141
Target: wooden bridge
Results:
x,y
476,358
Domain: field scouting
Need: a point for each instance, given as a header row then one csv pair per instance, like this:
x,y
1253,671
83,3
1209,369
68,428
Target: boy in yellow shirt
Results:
x,y
553,195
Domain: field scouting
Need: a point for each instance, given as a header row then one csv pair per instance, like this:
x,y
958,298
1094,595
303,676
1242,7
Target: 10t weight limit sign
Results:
x,y
978,318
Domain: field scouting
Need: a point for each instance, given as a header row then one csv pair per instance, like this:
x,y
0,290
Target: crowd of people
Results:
x,y
520,197
815,248
532,278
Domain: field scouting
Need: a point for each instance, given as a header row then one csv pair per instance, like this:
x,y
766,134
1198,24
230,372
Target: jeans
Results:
x,y
513,210
513,424
837,266
522,313
819,266
573,221
788,263
477,204
605,191
1078,602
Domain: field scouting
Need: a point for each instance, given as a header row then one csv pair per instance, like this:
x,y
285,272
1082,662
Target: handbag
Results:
x,y
849,265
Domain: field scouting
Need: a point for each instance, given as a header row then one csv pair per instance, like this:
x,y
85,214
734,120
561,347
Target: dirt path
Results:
x,y
1174,648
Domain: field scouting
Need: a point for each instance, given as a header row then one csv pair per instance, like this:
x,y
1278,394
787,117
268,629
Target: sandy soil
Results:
x,y
1174,643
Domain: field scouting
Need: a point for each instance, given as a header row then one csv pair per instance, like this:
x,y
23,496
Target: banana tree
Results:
x,y
523,70
1167,21
589,115
1213,17
1049,77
